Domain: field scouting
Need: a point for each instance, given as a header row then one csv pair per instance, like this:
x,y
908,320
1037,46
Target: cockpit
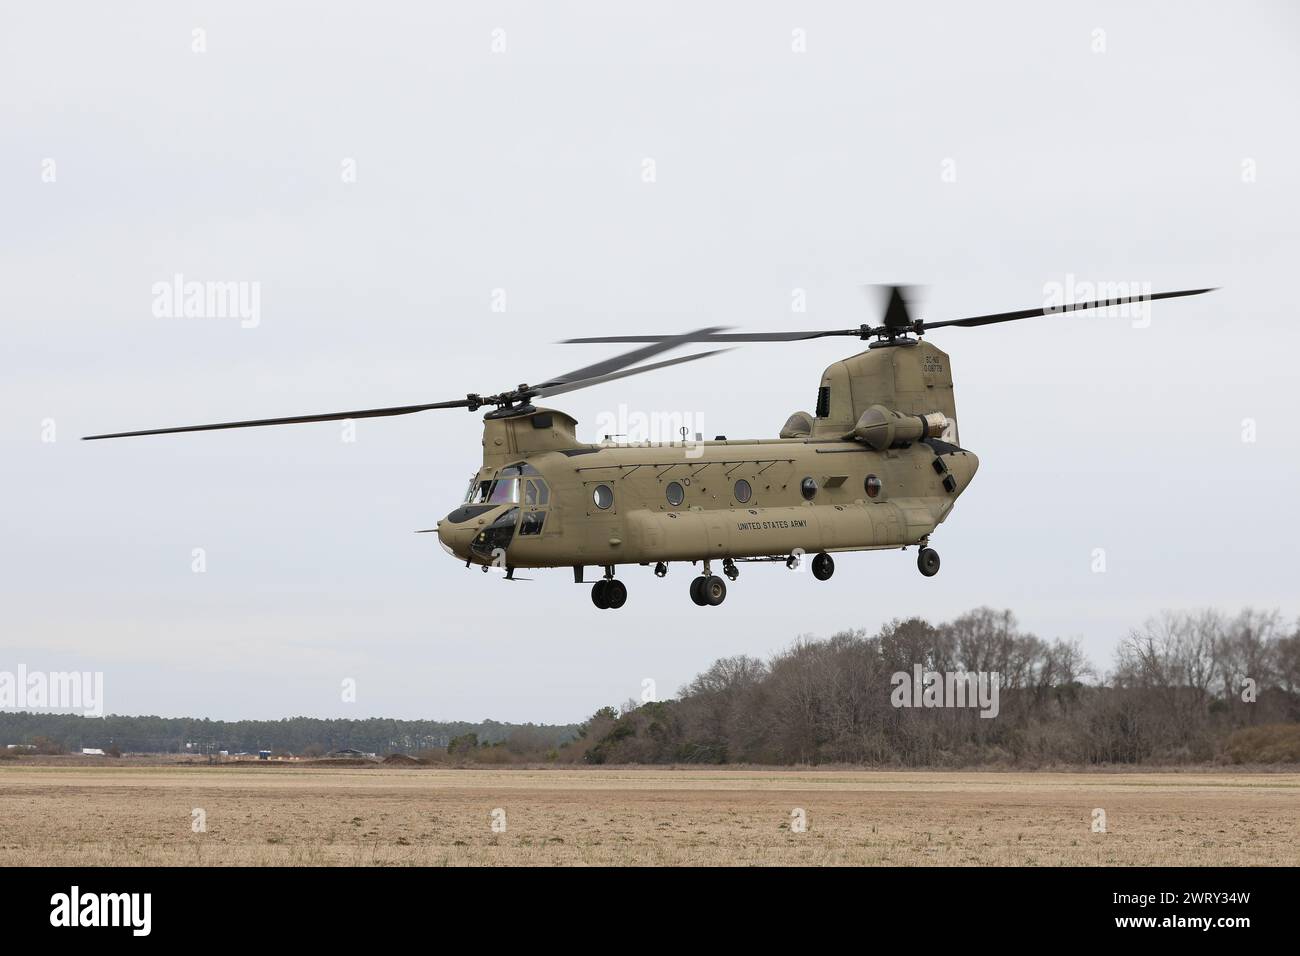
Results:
x,y
506,486
501,490
520,486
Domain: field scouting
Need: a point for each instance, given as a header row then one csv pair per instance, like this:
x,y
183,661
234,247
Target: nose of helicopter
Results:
x,y
478,532
455,538
456,531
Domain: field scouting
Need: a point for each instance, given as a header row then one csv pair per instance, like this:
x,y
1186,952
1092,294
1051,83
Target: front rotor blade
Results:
x,y
662,344
297,419
978,320
546,391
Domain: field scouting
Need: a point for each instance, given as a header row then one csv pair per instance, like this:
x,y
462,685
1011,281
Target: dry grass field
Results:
x,y
394,817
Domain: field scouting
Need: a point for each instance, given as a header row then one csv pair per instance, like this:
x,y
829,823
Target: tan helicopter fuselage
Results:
x,y
841,480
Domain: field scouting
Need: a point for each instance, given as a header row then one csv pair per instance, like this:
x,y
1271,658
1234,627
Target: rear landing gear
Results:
x,y
697,593
927,562
823,566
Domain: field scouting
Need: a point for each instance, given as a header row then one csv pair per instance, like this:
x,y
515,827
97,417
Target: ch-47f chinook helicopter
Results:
x,y
878,466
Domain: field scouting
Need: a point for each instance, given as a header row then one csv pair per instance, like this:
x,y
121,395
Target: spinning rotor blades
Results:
x,y
596,374
897,321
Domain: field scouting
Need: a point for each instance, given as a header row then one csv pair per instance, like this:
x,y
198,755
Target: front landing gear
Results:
x,y
708,590
608,593
927,562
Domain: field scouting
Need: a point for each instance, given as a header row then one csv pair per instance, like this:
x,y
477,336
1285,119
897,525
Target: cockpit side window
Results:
x,y
536,492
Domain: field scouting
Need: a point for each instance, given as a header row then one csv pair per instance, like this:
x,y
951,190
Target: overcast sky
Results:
x,y
379,170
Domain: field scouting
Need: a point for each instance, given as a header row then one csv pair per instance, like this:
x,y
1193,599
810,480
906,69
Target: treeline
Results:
x,y
1183,688
295,735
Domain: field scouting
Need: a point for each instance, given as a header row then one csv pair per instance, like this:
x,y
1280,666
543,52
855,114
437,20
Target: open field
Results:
x,y
380,816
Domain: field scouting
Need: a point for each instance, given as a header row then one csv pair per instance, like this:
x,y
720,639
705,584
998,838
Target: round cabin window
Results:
x,y
675,493
872,485
808,488
743,491
603,497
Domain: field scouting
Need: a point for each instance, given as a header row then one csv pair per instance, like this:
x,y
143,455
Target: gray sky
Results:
x,y
523,170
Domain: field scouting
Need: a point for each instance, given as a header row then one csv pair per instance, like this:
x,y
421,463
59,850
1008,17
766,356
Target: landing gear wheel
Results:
x,y
927,562
823,566
714,590
661,569
600,594
615,594
697,591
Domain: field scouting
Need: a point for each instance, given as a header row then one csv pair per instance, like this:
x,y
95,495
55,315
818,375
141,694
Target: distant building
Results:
x,y
92,752
264,755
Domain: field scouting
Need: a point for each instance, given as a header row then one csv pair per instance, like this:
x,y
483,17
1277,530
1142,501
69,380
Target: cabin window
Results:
x,y
603,496
808,488
675,493
743,491
824,402
872,486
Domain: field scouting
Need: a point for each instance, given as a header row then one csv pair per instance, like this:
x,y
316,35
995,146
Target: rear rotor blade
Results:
x,y
896,314
295,420
978,320
714,337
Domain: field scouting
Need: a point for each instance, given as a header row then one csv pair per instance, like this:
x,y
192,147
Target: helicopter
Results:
x,y
876,466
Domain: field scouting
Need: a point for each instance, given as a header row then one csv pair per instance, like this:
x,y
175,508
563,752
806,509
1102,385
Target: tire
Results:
x,y
927,562
615,594
600,594
823,566
714,590
697,591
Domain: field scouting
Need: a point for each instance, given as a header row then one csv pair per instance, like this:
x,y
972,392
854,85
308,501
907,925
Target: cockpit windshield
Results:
x,y
501,490
505,491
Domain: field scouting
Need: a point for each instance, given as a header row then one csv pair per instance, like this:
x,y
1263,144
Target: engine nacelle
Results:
x,y
798,425
880,427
